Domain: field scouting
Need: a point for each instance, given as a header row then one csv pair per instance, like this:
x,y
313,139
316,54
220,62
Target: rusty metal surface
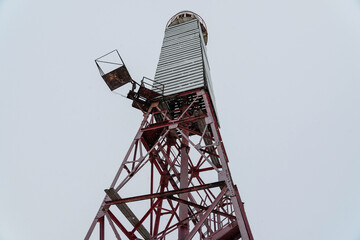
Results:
x,y
113,70
117,78
142,98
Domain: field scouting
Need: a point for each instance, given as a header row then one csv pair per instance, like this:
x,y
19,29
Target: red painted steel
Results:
x,y
189,193
102,228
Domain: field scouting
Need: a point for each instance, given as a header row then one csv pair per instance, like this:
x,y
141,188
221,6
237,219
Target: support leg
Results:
x,y
184,182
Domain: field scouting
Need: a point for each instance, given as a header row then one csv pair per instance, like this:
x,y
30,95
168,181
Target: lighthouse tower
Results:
x,y
174,181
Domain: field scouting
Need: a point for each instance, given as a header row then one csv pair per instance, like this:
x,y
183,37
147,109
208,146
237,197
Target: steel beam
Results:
x,y
165,194
206,214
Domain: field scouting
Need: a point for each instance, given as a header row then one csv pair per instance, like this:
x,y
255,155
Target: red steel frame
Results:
x,y
189,191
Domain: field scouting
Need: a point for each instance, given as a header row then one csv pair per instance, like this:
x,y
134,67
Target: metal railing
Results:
x,y
153,85
112,65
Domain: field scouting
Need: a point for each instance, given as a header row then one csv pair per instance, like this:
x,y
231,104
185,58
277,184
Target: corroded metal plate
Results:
x,y
117,78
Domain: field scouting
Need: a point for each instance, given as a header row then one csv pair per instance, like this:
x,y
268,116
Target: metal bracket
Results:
x,y
208,120
173,126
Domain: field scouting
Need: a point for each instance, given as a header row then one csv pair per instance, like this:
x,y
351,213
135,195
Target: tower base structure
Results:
x,y
174,182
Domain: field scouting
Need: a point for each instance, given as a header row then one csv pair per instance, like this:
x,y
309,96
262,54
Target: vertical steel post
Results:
x,y
184,182
102,228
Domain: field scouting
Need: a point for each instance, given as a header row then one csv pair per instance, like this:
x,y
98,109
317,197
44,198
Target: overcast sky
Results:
x,y
286,78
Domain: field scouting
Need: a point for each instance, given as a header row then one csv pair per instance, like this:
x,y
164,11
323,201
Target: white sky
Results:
x,y
286,78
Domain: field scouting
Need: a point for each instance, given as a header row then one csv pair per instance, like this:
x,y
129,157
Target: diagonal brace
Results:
x,y
165,194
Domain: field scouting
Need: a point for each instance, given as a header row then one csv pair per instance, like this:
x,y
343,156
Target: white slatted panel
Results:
x,y
181,66
183,63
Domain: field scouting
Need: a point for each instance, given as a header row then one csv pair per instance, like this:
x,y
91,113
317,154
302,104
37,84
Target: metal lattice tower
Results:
x,y
174,182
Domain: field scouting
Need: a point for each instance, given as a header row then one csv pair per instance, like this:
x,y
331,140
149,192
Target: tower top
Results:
x,y
185,16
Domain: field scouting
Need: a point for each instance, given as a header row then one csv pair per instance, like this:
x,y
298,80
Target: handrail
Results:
x,y
153,85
